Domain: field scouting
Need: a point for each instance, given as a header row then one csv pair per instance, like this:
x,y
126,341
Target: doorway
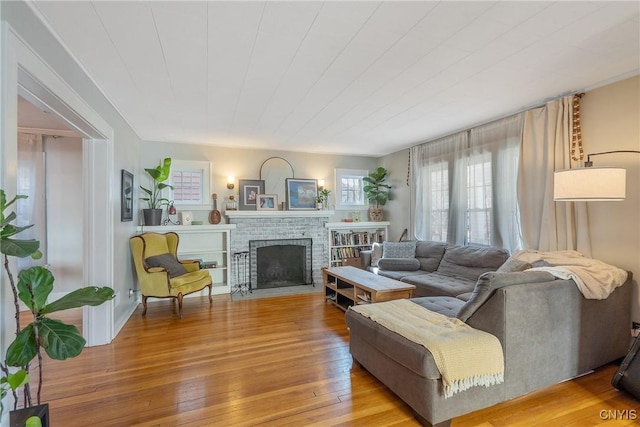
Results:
x,y
50,163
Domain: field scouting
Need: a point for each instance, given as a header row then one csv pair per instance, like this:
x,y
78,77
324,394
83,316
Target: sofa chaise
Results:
x,y
549,332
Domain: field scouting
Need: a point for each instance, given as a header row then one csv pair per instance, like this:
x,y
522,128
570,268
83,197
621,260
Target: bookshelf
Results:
x,y
208,243
347,239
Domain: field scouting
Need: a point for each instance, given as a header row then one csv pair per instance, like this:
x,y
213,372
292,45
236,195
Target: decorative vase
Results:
x,y
19,416
376,214
152,216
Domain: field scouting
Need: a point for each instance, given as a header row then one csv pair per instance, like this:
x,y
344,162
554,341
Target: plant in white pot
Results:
x,y
59,340
155,201
377,192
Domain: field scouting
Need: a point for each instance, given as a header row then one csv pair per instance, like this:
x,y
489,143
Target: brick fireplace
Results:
x,y
284,226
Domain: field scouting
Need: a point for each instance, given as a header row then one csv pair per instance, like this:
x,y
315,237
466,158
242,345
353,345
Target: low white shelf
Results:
x,y
209,243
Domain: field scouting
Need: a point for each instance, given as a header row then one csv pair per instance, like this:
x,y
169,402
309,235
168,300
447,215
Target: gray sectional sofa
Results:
x,y
434,267
548,331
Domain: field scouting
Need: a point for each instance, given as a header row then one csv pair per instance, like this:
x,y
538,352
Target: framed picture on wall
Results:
x,y
126,196
267,202
302,194
249,190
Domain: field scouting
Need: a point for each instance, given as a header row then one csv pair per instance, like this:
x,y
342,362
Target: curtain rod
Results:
x,y
506,116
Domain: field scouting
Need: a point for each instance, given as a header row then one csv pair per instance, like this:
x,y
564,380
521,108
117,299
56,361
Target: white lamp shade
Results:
x,y
589,184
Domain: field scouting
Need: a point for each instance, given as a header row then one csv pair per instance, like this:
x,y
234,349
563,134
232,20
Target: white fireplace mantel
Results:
x,y
279,214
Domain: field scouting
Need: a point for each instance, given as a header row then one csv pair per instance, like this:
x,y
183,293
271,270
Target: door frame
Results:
x,y
25,73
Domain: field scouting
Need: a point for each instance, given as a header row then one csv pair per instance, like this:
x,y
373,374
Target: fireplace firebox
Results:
x,y
280,262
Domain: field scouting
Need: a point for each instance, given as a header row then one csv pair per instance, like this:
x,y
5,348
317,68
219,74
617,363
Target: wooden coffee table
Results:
x,y
346,286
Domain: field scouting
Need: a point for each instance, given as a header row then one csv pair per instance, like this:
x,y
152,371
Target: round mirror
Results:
x,y
274,171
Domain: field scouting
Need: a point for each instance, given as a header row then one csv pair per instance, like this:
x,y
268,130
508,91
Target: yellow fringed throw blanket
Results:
x,y
466,357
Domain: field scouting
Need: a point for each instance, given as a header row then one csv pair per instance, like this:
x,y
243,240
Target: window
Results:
x,y
191,183
478,218
349,185
439,185
465,186
187,187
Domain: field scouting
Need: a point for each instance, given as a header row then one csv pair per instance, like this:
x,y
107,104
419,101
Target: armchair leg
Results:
x,y
180,305
210,287
144,304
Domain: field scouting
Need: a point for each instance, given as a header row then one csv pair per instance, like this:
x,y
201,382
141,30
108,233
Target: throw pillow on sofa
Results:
x,y
168,262
399,264
399,249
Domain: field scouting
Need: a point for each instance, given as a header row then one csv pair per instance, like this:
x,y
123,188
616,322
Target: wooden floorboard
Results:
x,y
279,361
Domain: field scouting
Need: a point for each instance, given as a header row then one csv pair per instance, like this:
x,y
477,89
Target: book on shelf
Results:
x,y
351,238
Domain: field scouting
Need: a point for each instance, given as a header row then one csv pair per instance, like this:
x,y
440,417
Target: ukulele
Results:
x,y
214,215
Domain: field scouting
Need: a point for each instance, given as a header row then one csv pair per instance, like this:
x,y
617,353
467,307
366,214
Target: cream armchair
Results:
x,y
161,274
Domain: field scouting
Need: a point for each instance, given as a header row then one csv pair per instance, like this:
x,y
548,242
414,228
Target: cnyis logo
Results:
x,y
618,414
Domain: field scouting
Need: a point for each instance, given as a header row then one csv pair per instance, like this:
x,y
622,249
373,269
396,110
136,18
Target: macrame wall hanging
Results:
x,y
577,152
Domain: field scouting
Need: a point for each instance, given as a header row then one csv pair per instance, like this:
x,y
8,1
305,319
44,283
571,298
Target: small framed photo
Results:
x,y
249,190
126,197
302,194
267,202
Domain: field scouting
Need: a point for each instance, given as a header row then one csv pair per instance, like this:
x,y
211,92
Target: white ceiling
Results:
x,y
362,77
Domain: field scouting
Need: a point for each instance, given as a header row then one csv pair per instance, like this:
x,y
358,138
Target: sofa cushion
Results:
x,y
395,274
436,284
399,249
470,262
489,282
513,265
168,262
399,264
429,254
447,306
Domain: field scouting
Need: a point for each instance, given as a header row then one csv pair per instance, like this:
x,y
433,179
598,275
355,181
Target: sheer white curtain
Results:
x,y
431,171
31,183
546,147
497,145
465,186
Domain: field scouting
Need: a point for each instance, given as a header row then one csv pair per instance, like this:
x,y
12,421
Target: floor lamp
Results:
x,y
590,184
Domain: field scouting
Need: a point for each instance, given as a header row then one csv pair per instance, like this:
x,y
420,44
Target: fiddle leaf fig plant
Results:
x,y
376,190
159,174
59,340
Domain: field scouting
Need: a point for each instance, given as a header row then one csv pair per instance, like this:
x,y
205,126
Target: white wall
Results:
x,y
611,121
18,19
397,210
63,178
245,164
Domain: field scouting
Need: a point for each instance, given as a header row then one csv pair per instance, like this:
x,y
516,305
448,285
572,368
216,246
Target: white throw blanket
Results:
x,y
595,279
465,356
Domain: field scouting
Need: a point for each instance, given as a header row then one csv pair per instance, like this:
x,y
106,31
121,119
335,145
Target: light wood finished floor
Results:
x,y
278,361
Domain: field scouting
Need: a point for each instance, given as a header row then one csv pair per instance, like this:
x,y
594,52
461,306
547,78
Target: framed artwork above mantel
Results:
x,y
302,194
249,190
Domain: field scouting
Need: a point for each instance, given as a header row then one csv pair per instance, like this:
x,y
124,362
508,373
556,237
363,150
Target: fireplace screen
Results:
x,y
282,262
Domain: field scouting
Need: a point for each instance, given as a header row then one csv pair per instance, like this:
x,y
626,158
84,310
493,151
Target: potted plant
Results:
x,y
155,201
323,198
377,192
59,340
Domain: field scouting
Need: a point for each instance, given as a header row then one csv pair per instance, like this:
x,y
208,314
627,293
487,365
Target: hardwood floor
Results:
x,y
279,361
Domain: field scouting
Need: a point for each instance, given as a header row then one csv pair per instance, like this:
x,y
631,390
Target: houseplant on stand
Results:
x,y
155,201
59,340
377,192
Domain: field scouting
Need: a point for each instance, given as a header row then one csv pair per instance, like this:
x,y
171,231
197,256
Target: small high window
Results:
x,y
191,183
349,189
